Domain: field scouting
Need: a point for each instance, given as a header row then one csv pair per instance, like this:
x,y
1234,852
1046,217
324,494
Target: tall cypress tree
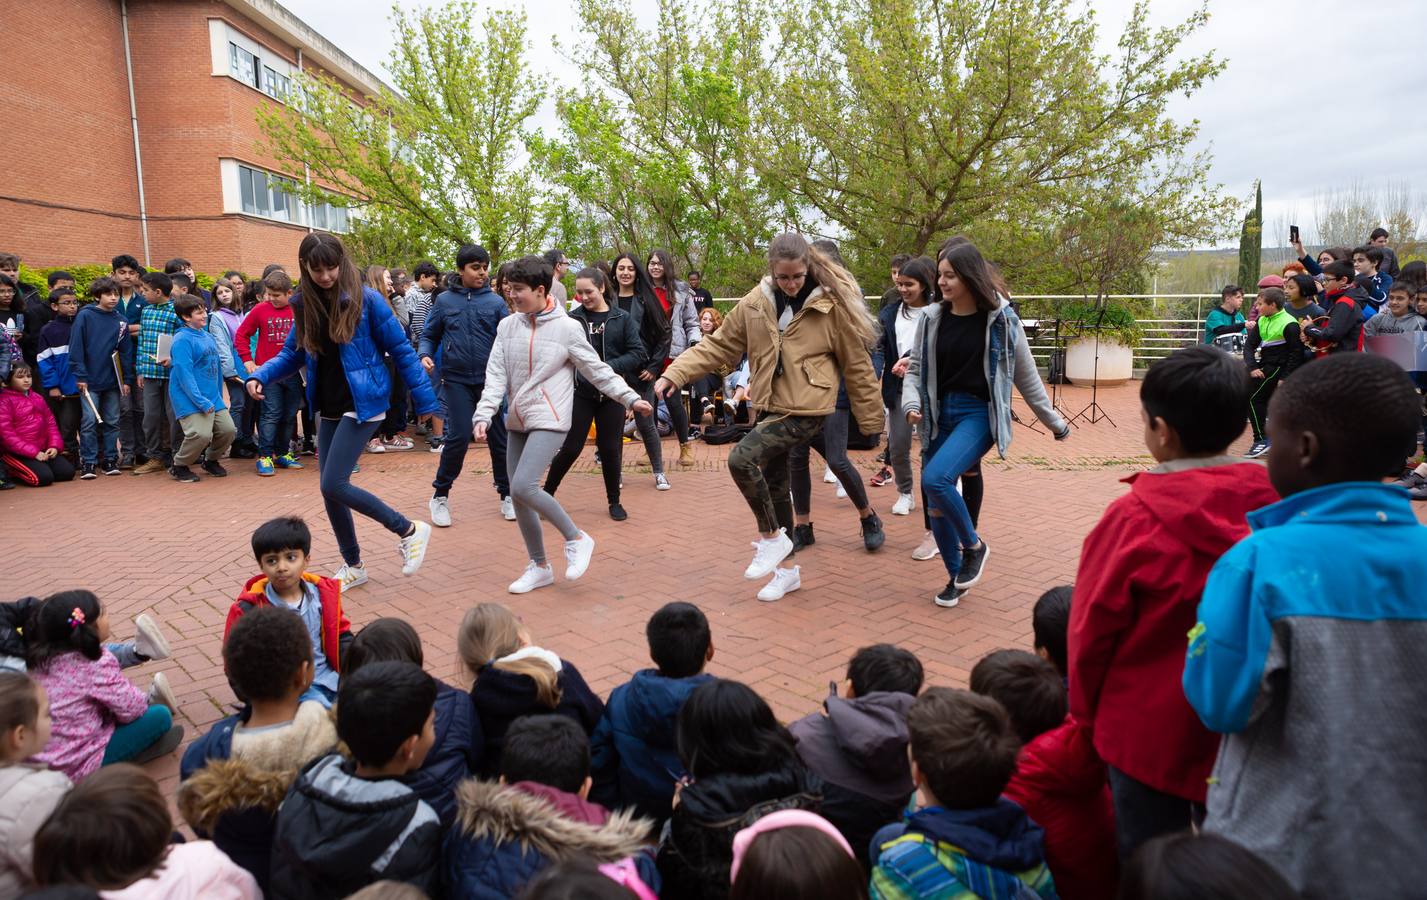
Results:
x,y
1251,243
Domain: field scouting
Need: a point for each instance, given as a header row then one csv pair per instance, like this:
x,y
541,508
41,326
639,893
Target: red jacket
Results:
x,y
1062,786
271,326
335,626
27,427
1137,590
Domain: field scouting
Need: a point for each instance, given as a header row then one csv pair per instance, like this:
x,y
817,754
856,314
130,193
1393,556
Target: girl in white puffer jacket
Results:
x,y
533,364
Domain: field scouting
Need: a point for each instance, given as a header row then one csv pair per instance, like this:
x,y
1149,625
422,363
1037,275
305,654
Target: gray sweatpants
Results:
x,y
527,457
899,447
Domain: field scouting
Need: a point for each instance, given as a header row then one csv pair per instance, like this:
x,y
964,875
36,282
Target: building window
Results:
x,y
276,85
243,66
274,197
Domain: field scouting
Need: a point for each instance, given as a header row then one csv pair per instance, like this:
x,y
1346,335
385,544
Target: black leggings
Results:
x,y
38,473
608,418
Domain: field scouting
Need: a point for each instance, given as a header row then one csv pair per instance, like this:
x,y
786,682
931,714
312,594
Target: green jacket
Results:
x,y
1220,321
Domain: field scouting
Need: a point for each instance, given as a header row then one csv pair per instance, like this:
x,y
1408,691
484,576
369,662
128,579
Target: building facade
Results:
x,y
153,148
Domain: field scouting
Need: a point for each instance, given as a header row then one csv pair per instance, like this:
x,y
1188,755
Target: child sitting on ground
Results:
x,y
635,763
195,390
148,644
28,792
457,750
1189,865
98,716
1059,780
1308,662
537,814
1141,572
347,822
235,776
113,833
282,547
794,853
858,744
1050,620
30,441
514,678
962,836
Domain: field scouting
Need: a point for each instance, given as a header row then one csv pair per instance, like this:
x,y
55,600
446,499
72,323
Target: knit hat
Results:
x,y
786,818
1269,281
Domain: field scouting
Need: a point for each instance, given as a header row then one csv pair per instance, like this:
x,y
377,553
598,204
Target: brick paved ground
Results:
x,y
182,551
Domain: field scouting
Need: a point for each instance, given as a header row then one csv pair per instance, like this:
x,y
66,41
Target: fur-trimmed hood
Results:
x,y
490,811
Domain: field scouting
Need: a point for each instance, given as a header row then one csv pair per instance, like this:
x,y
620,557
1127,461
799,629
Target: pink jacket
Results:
x,y
87,699
27,427
194,869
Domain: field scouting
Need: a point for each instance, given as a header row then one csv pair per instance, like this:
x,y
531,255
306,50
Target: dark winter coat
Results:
x,y
95,336
501,697
461,325
455,755
619,346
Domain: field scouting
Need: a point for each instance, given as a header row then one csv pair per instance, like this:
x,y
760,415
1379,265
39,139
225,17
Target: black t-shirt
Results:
x,y
960,354
594,329
334,395
704,297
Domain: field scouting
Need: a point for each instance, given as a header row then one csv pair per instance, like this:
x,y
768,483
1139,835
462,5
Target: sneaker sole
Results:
x,y
979,574
946,604
934,554
781,594
356,583
149,630
512,589
434,521
163,692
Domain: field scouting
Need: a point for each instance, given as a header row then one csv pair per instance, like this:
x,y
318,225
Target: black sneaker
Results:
x,y
950,596
109,467
872,534
617,512
1258,449
8,485
803,536
182,473
87,473
973,565
214,468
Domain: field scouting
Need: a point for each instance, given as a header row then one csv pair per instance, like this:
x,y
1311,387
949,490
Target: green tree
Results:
x,y
901,122
1251,243
443,157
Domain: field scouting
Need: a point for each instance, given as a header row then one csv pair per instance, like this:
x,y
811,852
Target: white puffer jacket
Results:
x,y
533,362
28,794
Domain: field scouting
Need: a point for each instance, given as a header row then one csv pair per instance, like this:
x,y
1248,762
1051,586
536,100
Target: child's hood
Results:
x,y
546,820
1001,835
1204,503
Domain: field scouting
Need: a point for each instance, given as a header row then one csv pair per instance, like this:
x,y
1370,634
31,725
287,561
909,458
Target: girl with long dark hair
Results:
x,y
340,331
916,290
969,350
634,293
676,301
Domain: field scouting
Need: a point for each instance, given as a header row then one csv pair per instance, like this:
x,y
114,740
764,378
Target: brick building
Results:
x,y
72,190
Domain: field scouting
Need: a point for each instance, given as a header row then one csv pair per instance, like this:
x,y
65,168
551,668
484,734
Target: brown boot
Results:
x,y
686,455
148,468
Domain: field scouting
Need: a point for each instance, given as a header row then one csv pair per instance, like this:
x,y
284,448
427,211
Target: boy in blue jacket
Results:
x,y
55,376
98,333
634,753
1311,643
460,331
195,390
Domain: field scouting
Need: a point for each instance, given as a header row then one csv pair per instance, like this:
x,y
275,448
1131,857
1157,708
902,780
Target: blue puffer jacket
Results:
x,y
461,324
378,332
454,756
634,759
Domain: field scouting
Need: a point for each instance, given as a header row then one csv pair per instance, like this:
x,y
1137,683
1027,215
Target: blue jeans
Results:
x,y
315,691
280,402
963,437
339,444
133,738
461,400
99,440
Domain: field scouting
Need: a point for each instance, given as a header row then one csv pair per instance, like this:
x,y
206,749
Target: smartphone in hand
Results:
x,y
1293,234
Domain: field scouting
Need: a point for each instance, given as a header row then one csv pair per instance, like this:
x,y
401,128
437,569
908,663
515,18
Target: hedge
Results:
x,y
84,273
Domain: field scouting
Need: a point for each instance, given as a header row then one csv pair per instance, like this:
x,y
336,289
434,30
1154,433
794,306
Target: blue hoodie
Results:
x,y
1008,846
196,376
95,336
53,356
461,326
634,758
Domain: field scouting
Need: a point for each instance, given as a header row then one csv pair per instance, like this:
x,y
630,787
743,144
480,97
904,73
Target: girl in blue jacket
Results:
x,y
340,332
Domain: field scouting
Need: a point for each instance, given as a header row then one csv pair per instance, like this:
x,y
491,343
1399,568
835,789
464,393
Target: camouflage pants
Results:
x,y
759,466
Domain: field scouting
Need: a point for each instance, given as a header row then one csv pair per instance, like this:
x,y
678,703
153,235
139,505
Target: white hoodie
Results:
x,y
534,361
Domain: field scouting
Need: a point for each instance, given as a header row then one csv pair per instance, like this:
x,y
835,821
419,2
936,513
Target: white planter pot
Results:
x,y
1116,366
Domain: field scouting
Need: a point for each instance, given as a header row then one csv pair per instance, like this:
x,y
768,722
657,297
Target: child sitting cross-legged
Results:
x,y
963,838
635,763
538,813
1059,780
235,776
351,821
28,792
457,750
113,833
282,547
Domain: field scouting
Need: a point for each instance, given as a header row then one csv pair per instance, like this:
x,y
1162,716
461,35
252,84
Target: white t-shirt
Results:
x,y
907,319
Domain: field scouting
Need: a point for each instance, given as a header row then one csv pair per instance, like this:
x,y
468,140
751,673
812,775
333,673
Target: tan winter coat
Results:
x,y
28,794
818,346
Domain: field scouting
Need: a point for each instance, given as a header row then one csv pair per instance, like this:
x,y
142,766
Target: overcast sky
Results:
x,y
1317,92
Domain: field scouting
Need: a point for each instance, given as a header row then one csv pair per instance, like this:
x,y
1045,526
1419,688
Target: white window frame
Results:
x,y
258,193
228,42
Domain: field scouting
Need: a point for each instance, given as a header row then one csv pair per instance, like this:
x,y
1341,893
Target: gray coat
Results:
x,y
683,320
1007,361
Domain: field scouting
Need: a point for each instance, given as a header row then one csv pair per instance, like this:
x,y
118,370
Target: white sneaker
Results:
x,y
784,580
841,491
413,548
161,694
440,512
375,446
535,577
507,509
927,549
661,483
904,505
577,556
828,476
351,576
149,641
768,552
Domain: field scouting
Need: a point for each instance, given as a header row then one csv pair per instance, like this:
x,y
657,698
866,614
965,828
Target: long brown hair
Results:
x,y
338,308
112,830
975,272
490,631
830,277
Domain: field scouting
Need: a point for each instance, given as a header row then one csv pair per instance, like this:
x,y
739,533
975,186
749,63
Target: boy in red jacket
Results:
x,y
1141,572
282,547
271,320
1059,780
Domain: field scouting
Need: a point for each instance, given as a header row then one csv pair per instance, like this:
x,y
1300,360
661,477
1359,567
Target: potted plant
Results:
x,y
1119,334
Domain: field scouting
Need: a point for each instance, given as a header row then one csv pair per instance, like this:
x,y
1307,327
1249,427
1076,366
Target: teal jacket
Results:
x,y
1219,322
1308,656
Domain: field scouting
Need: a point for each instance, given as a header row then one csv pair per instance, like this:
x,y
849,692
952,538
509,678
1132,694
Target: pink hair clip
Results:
x,y
76,618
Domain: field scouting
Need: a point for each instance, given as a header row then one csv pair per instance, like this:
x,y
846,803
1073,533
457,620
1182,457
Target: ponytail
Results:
x,y
65,622
490,631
